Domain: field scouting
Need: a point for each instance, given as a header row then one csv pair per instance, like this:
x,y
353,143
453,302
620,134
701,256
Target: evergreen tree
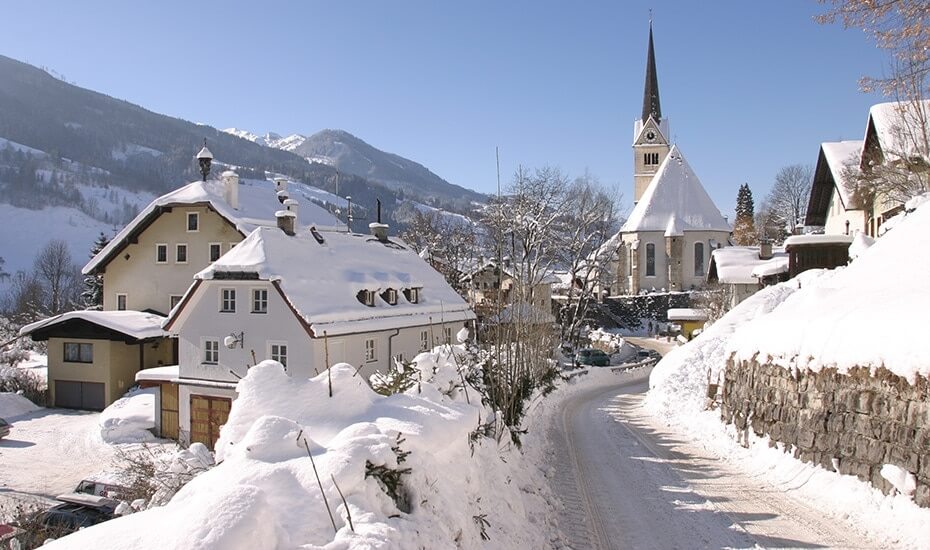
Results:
x,y
744,231
92,296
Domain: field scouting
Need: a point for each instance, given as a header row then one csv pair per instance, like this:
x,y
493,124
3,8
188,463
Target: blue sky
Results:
x,y
749,87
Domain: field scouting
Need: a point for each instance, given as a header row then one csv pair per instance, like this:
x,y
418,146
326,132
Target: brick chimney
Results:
x,y
231,188
765,250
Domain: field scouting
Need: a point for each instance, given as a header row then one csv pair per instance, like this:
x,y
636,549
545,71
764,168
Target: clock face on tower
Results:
x,y
650,136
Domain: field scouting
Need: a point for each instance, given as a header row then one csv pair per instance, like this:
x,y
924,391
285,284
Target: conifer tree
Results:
x,y
744,231
92,296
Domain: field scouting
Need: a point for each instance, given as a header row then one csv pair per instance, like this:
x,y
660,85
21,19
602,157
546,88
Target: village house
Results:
x,y
490,287
146,269
833,203
308,299
742,270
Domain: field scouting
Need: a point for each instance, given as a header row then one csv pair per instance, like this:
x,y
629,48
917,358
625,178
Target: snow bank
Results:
x,y
264,493
823,325
129,418
14,404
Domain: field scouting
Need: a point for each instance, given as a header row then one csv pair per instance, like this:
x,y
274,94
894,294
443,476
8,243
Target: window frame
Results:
x,y
649,253
177,253
412,294
81,346
447,335
174,300
697,257
224,299
159,247
191,214
205,357
371,351
219,250
279,344
125,297
424,340
253,301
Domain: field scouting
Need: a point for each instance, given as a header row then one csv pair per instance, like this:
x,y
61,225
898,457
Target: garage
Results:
x,y
208,414
80,395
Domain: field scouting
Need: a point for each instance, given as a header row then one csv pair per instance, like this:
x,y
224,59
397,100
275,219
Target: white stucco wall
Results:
x,y
660,280
837,216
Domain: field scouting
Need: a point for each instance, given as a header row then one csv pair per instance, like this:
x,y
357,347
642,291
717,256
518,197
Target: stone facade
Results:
x,y
851,423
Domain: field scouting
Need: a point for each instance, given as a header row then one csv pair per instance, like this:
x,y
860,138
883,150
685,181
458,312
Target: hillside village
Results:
x,y
307,342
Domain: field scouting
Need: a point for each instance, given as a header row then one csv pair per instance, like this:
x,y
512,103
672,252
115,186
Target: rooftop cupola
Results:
x,y
205,159
651,106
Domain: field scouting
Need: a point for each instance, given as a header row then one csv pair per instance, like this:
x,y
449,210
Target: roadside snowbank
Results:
x,y
264,493
14,404
129,418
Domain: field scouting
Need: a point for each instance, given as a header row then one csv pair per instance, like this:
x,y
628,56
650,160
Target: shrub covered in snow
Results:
x,y
130,418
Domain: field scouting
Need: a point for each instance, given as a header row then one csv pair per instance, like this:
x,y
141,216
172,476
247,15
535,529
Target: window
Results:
x,y
390,296
424,340
366,297
260,300
232,245
699,258
173,301
181,254
121,302
651,159
371,350
629,265
193,222
79,353
278,352
228,300
211,352
161,253
650,260
413,295
215,251
447,334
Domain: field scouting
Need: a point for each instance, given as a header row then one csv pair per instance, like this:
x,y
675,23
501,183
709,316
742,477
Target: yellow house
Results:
x,y
688,319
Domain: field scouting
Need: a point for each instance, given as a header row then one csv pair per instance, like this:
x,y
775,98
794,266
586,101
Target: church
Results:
x,y
667,240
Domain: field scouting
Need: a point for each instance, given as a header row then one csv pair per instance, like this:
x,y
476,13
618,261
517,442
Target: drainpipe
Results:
x,y
391,345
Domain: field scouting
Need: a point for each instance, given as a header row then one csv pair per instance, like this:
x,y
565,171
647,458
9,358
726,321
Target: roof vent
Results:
x,y
316,235
379,230
287,221
280,184
231,188
283,196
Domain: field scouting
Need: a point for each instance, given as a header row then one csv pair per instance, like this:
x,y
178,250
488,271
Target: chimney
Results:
x,y
287,221
283,196
231,188
280,184
379,230
765,250
291,205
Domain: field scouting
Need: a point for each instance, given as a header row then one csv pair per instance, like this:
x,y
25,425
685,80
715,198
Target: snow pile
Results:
x,y
821,325
901,479
130,418
14,404
265,493
611,340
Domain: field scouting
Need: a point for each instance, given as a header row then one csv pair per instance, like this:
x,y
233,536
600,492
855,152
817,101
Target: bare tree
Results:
x,y
58,274
450,245
787,200
24,301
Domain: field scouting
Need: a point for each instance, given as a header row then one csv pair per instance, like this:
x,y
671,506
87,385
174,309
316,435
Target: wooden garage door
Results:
x,y
79,395
169,411
207,415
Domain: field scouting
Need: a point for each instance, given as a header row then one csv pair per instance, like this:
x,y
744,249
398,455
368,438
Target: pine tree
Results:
x,y
744,231
92,296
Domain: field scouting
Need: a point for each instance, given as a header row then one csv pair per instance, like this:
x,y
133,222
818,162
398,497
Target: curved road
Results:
x,y
625,483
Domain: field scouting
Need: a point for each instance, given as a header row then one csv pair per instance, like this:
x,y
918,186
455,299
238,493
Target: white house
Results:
x,y
743,270
833,203
308,299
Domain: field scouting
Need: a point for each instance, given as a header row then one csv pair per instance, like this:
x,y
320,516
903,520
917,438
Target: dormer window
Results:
x,y
366,297
390,296
412,295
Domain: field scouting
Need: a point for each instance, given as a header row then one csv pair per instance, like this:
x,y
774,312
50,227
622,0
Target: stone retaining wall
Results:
x,y
852,423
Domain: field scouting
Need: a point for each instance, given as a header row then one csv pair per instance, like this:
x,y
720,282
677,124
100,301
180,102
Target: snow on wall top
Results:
x,y
322,280
736,265
898,125
675,197
829,322
258,203
840,156
137,324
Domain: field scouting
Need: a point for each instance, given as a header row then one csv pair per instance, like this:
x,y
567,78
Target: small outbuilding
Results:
x,y
689,319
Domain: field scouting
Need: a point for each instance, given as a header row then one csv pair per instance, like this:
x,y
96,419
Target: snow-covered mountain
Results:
x,y
271,139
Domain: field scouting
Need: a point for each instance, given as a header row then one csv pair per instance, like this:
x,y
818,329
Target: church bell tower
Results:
x,y
650,131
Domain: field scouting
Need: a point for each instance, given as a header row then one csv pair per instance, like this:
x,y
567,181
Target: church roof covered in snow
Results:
x,y
258,202
675,202
321,275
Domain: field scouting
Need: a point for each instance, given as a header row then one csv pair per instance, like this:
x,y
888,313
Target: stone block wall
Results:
x,y
852,423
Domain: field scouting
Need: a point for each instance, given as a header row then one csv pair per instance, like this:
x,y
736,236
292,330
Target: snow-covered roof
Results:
x,y
158,374
736,265
686,314
675,200
900,127
136,324
321,280
840,156
775,266
258,202
796,240
524,313
545,277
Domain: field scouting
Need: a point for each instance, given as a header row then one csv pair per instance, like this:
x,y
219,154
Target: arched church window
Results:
x,y
650,260
699,259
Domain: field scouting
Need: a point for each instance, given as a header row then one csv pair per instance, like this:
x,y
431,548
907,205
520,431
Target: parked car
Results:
x,y
4,428
77,510
592,357
101,488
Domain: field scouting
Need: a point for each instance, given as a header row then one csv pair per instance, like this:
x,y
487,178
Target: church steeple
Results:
x,y
651,106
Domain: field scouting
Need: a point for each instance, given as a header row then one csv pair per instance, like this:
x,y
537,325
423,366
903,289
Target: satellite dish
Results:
x,y
230,342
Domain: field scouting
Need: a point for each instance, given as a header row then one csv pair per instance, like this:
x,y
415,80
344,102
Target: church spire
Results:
x,y
651,92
